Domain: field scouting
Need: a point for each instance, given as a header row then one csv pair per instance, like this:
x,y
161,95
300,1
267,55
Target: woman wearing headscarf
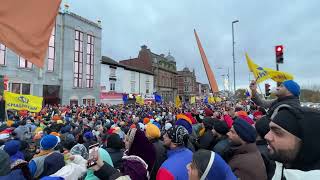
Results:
x,y
137,163
207,165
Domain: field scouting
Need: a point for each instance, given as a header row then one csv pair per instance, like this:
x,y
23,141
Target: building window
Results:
x,y
186,88
51,51
2,54
88,102
90,61
147,87
112,85
23,63
133,89
133,76
20,88
112,72
78,56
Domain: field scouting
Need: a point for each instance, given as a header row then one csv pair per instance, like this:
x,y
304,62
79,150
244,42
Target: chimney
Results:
x,y
66,8
143,47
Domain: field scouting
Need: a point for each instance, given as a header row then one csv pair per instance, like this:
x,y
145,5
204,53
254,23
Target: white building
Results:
x,y
118,79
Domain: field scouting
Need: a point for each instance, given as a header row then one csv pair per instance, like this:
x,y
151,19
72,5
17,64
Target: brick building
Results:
x,y
163,68
187,85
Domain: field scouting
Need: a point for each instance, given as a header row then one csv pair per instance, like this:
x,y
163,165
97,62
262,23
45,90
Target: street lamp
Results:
x,y
234,62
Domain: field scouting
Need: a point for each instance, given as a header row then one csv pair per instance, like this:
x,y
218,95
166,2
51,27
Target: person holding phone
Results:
x,y
287,93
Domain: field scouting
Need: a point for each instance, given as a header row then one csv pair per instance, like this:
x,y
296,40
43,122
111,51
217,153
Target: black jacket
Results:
x,y
292,101
223,148
116,156
270,164
161,156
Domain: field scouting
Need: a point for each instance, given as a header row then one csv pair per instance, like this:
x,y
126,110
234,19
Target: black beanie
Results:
x,y
262,126
221,127
288,121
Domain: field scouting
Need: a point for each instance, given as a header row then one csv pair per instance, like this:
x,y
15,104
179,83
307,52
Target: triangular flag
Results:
x,y
26,27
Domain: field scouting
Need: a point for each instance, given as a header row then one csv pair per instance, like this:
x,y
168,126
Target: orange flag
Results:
x,y
210,75
26,26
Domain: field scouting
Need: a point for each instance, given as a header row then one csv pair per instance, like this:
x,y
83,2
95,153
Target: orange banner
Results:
x,y
210,75
26,27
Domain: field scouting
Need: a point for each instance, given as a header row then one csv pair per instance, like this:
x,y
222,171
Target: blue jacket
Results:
x,y
175,167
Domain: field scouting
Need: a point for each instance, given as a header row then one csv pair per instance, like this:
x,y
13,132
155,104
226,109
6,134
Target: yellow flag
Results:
x,y
177,101
193,100
140,100
211,100
217,99
23,102
261,74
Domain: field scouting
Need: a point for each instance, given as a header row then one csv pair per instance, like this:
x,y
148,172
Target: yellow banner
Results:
x,y
23,102
140,100
177,101
261,74
211,100
193,100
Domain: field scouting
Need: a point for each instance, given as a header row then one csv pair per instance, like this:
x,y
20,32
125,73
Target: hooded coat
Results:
x,y
307,162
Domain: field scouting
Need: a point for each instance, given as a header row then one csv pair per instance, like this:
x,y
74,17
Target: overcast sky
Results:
x,y
167,25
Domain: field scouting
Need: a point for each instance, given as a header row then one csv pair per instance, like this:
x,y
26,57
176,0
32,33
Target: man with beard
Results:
x,y
246,161
292,143
288,93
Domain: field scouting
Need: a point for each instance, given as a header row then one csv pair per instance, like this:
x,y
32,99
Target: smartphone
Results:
x,y
93,155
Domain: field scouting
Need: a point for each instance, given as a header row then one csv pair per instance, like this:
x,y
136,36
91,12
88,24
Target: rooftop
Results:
x,y
110,61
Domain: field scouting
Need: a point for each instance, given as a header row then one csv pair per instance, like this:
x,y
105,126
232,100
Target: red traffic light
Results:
x,y
279,48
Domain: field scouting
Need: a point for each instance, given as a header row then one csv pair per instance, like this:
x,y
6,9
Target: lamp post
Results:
x,y
234,62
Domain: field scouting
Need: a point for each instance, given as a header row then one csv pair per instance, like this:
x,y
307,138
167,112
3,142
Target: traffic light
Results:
x,y
279,54
267,89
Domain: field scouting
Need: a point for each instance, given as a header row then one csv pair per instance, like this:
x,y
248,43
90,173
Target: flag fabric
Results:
x,y
23,102
26,27
247,93
211,100
193,100
177,101
210,75
157,97
125,98
140,100
217,99
206,101
261,74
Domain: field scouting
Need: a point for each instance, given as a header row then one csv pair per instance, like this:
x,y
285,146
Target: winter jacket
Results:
x,y
273,104
116,156
247,163
223,148
161,156
270,164
175,166
15,174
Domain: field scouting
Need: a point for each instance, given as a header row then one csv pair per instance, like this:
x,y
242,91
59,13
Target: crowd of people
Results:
x,y
254,139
